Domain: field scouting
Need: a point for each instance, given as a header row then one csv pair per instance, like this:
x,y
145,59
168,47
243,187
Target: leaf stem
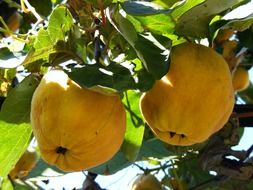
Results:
x,y
9,32
30,8
147,170
27,7
248,152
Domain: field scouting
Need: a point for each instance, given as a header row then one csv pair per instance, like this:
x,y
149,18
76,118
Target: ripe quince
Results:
x,y
146,182
76,128
240,79
193,100
24,165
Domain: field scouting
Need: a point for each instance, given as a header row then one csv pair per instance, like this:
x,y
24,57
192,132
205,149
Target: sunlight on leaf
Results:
x,y
14,140
60,22
195,22
135,126
233,24
6,184
187,5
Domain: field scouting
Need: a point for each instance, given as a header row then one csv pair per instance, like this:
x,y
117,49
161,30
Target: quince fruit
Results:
x,y
193,100
24,165
146,182
240,79
76,128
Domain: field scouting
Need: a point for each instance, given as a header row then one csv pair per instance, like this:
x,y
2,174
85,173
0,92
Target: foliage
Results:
x,y
122,46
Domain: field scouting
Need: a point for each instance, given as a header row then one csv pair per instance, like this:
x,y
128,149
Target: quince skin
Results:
x,y
76,128
193,100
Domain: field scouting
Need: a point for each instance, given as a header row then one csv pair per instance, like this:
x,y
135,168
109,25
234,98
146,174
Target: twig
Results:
x,y
162,167
141,168
27,7
23,7
249,151
147,170
30,8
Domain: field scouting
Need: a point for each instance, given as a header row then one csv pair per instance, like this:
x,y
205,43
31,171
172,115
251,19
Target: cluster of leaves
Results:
x,y
122,46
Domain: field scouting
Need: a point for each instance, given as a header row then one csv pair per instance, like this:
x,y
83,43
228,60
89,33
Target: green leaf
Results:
x,y
43,40
5,53
8,59
197,174
81,48
15,130
238,25
249,185
60,22
114,76
43,47
90,75
156,24
145,80
140,8
40,169
195,22
122,77
14,139
135,126
154,57
117,163
43,7
166,3
184,7
6,184
153,148
16,107
125,27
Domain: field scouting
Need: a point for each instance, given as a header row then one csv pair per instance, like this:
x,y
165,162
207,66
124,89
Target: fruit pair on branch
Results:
x,y
78,128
